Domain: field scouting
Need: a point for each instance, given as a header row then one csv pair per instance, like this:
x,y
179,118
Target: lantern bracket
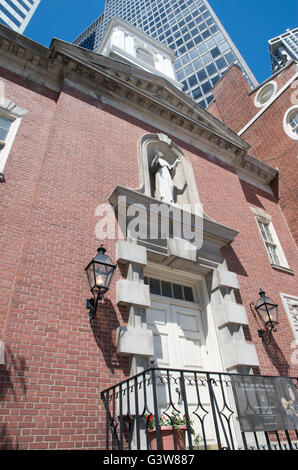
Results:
x,y
266,335
91,304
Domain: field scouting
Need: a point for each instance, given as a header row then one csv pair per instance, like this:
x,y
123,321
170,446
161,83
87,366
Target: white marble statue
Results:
x,y
164,173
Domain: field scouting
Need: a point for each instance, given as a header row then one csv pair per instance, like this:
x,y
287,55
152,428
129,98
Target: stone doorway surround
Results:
x,y
135,340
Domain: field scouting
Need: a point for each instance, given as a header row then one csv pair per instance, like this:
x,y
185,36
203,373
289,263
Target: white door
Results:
x,y
178,335
180,343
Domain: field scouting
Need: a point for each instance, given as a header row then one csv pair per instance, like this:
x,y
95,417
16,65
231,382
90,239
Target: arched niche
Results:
x,y
185,188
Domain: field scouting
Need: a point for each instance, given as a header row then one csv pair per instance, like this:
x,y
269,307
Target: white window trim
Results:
x,y
262,216
4,153
268,104
256,101
286,124
15,113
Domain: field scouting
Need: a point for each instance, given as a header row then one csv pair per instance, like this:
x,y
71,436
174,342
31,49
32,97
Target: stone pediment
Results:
x,y
151,86
143,94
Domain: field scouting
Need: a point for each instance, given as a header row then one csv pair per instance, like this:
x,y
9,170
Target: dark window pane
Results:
x,y
197,93
192,80
190,44
177,290
198,39
206,34
214,28
215,52
154,286
230,57
206,87
221,63
211,69
214,80
166,289
146,280
202,75
188,294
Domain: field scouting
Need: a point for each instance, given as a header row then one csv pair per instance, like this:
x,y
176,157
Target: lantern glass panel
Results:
x,y
267,309
103,274
90,275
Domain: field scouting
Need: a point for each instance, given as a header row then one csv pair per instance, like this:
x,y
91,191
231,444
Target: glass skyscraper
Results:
x,y
17,13
283,48
203,48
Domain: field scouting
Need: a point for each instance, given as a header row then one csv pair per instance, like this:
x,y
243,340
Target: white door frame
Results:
x,y
198,284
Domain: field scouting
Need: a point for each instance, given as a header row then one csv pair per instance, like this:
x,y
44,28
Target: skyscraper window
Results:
x,y
17,13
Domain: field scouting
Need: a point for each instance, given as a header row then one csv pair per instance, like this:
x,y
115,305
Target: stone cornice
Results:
x,y
135,89
220,234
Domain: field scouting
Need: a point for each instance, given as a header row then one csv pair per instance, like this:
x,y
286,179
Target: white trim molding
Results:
x,y
286,123
15,113
266,106
262,91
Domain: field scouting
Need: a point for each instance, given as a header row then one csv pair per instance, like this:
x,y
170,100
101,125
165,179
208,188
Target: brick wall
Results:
x,y
69,154
269,142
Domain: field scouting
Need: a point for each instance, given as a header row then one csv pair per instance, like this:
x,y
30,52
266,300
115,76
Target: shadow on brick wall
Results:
x,y
12,382
104,331
277,358
233,262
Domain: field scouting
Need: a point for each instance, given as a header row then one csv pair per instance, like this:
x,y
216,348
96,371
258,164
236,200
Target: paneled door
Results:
x,y
178,334
180,343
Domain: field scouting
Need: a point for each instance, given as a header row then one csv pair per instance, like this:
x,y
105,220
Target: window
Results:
x,y
9,123
271,242
5,125
169,289
291,122
265,94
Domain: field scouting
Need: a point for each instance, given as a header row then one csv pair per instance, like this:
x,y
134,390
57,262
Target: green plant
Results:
x,y
175,421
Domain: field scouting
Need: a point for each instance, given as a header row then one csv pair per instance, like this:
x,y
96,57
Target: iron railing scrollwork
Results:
x,y
204,403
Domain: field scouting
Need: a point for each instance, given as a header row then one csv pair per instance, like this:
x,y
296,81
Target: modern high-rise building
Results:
x,y
17,13
203,48
283,48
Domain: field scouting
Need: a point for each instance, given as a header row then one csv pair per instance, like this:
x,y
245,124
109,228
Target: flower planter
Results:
x,y
167,438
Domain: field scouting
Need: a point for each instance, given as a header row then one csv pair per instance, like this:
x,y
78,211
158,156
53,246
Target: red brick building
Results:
x,y
79,134
263,118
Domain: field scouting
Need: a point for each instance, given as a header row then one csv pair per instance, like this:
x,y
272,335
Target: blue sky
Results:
x,y
250,23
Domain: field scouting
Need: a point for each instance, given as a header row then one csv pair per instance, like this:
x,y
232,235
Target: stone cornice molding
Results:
x,y
219,234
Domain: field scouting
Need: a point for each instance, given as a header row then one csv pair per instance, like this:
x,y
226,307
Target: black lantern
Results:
x,y
99,273
267,311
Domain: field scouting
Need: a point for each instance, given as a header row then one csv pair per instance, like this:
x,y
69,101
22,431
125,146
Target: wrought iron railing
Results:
x,y
203,404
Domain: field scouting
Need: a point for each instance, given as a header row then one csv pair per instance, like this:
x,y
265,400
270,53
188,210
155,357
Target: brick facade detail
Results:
x,y
70,152
234,105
